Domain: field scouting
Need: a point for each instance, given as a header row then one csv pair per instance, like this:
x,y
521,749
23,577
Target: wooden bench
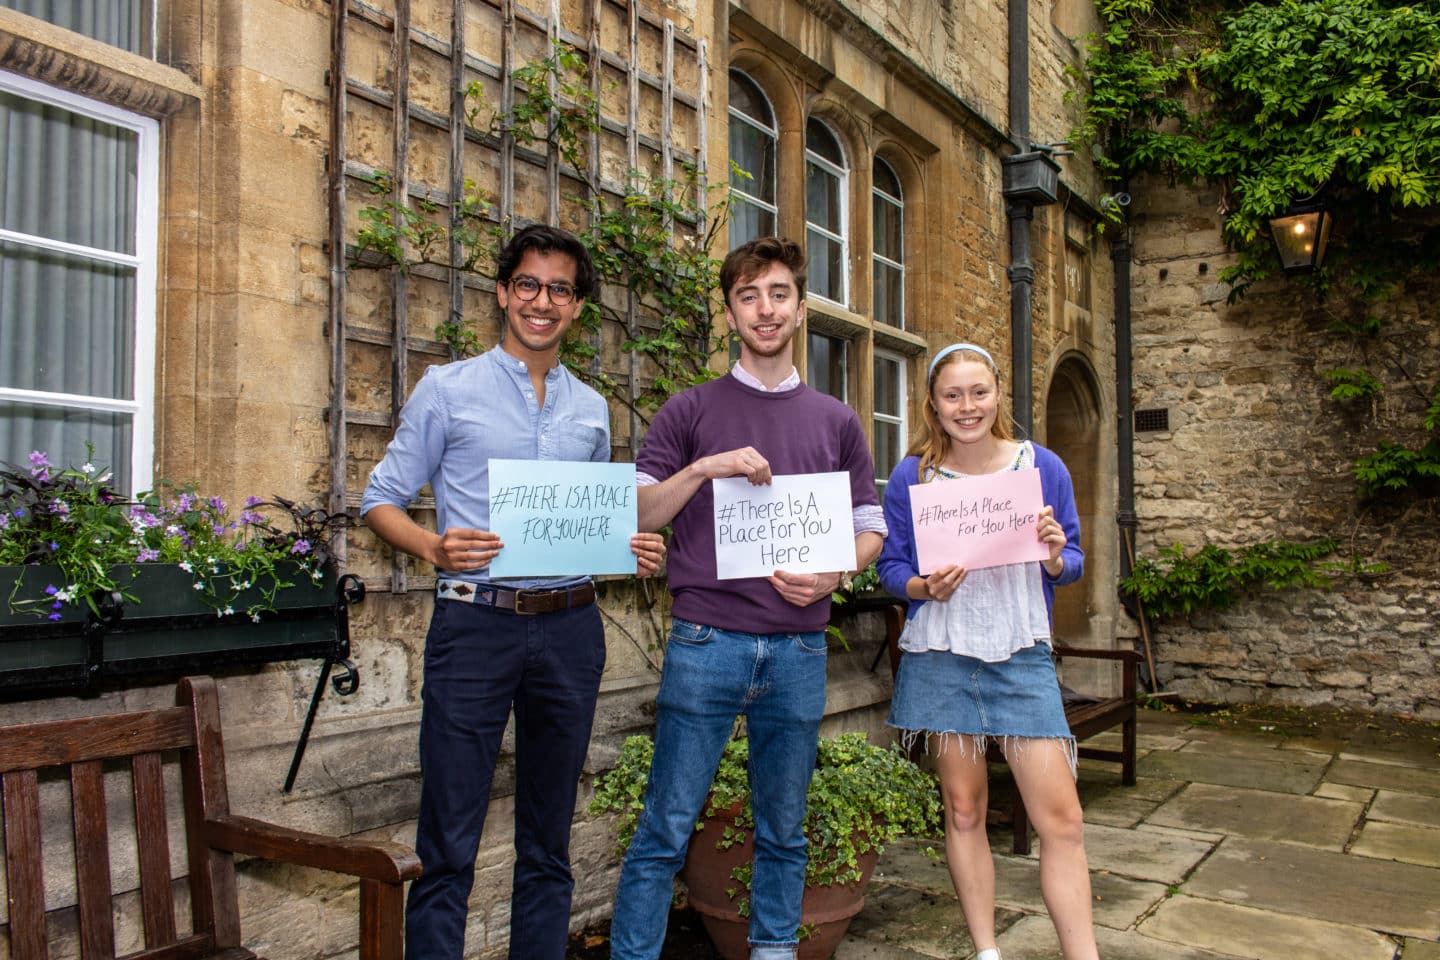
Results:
x,y
213,835
1085,718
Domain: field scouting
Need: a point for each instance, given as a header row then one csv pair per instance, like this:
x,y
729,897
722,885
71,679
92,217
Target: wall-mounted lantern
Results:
x,y
1031,177
1300,235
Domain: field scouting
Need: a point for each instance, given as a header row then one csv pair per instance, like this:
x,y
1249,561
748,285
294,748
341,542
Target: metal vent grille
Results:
x,y
1152,421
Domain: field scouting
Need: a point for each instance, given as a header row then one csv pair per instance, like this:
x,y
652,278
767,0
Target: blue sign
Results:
x,y
562,518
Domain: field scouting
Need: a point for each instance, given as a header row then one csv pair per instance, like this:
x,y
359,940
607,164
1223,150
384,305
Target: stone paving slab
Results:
x,y
1399,841
1142,854
1274,775
1399,898
1405,808
1034,939
1421,949
1264,935
1402,778
925,922
1344,791
1252,746
1255,813
1118,901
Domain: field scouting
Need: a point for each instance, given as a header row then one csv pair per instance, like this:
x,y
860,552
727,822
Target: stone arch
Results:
x,y
1074,430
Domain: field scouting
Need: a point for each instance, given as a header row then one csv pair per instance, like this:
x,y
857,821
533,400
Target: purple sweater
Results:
x,y
798,431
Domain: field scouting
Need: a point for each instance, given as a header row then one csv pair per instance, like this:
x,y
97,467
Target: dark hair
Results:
x,y
545,239
748,260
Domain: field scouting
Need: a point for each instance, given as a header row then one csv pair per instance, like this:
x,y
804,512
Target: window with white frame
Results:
x,y
752,155
78,231
890,406
826,238
826,363
127,24
888,249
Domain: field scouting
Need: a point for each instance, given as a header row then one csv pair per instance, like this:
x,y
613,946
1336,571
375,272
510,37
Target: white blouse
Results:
x,y
993,613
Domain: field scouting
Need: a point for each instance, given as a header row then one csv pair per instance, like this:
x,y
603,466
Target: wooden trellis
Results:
x,y
370,28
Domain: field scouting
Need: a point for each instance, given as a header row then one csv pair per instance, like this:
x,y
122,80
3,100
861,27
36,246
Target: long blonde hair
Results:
x,y
934,443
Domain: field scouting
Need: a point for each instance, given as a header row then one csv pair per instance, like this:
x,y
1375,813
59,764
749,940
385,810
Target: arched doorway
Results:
x,y
1073,422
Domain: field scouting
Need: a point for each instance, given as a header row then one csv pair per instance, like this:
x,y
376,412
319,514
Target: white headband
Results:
x,y
952,349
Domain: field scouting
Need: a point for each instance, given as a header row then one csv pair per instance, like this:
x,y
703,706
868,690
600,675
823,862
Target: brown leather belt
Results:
x,y
525,603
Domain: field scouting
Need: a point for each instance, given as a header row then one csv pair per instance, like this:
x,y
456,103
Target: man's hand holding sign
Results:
x,y
798,531
984,521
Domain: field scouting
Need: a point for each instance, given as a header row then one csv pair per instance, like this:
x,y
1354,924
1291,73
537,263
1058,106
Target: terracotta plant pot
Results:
x,y
827,911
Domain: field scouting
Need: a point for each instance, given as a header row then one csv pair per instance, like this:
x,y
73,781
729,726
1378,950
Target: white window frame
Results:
x,y
774,134
899,204
902,421
147,216
842,174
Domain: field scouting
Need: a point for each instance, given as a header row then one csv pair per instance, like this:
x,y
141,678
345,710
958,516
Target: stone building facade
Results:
x,y
277,367
1255,449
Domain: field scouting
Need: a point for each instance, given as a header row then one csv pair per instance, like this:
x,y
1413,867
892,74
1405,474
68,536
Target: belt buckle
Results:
x,y
522,596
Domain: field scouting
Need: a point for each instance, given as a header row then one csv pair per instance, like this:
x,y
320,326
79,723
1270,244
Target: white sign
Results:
x,y
801,523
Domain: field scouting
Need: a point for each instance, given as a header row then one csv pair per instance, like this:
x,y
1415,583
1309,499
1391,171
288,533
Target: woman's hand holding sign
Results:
x,y
1051,534
940,585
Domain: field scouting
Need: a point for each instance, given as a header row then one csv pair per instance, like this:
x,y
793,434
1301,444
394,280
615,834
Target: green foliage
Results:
x,y
861,797
1177,584
1394,468
654,243
1347,384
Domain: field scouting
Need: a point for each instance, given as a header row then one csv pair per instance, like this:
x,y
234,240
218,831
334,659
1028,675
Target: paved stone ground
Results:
x,y
1282,838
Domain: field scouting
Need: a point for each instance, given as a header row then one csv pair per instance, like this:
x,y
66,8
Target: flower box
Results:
x,y
166,631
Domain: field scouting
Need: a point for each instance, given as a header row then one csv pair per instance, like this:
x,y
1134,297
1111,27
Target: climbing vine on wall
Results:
x,y
1281,102
653,243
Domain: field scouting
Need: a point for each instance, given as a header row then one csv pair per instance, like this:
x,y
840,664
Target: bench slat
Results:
x,y
92,861
60,742
24,876
152,837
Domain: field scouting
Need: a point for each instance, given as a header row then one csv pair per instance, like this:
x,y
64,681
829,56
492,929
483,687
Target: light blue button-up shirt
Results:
x,y
461,415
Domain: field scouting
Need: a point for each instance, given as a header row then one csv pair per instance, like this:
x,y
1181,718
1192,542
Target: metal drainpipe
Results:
x,y
1124,411
1019,214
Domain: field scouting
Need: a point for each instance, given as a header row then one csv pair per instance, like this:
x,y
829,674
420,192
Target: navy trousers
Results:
x,y
479,664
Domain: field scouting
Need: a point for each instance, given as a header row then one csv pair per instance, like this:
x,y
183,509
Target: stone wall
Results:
x,y
1257,451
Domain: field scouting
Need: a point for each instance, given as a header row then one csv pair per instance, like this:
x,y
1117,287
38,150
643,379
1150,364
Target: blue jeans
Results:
x,y
777,680
479,664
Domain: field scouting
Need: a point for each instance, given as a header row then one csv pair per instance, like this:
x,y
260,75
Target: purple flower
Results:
x,y
250,517
56,605
218,529
54,546
186,502
60,507
301,547
253,501
54,616
38,459
146,555
51,590
218,504
4,520
19,512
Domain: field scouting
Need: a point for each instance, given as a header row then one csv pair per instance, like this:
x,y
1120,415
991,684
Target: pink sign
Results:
x,y
976,522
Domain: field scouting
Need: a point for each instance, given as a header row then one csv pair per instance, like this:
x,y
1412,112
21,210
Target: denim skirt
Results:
x,y
942,692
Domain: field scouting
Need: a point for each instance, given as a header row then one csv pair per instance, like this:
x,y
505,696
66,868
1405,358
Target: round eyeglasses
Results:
x,y
528,288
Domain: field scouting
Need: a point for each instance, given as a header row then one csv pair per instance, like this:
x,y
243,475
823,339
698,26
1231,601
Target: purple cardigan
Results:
x,y
898,563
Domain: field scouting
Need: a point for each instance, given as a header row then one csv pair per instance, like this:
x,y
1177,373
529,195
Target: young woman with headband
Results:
x,y
976,666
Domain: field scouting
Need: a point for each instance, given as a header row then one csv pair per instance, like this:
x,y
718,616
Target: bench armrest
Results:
x,y
1091,653
368,860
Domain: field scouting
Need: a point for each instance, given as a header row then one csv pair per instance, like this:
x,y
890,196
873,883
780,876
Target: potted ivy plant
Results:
x,y
861,797
93,583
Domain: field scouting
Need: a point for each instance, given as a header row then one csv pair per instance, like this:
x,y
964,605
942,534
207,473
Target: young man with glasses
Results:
x,y
752,646
536,646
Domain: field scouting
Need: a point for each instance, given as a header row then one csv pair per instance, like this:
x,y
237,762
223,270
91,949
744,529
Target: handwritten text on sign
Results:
x,y
562,519
800,523
976,522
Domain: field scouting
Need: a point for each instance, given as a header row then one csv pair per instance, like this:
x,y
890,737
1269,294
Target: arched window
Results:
x,y
752,150
826,186
889,246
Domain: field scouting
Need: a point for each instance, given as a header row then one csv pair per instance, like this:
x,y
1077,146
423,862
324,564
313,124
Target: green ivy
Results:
x,y
1347,384
1177,584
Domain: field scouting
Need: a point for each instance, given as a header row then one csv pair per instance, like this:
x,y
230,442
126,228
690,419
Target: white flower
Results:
x,y
87,468
229,609
198,585
255,617
185,565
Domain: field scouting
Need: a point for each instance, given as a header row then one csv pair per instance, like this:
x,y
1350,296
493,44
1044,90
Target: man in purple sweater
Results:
x,y
753,646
